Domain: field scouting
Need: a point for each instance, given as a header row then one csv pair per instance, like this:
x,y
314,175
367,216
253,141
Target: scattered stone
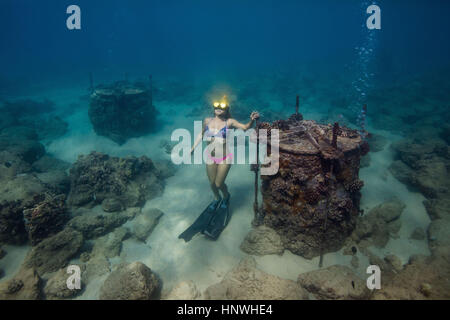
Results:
x,y
418,234
2,253
54,253
262,241
425,288
381,223
96,225
184,291
145,222
424,277
246,282
85,256
389,210
394,262
134,281
97,266
335,282
56,287
24,286
110,245
111,205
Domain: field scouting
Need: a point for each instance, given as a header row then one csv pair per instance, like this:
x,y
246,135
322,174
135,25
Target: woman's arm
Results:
x,y
245,127
200,136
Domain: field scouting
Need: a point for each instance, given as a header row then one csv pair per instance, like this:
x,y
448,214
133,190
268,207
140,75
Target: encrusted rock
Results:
x,y
185,290
111,205
26,285
55,252
96,225
262,241
134,281
145,222
122,111
246,282
110,245
380,224
46,217
97,266
335,282
56,287
96,177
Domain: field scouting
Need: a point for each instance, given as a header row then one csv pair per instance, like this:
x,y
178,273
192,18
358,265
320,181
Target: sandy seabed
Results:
x,y
186,194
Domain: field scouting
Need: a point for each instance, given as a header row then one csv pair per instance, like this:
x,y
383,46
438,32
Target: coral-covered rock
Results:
x,y
97,177
134,281
261,241
55,252
246,282
423,277
317,181
26,285
438,208
45,217
122,111
335,282
93,225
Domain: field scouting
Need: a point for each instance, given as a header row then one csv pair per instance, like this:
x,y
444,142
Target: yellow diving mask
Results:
x,y
221,105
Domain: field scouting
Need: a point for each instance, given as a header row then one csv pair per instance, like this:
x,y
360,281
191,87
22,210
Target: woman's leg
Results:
x,y
222,172
211,171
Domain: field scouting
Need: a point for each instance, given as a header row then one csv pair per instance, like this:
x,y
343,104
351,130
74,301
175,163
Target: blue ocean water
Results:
x,y
261,54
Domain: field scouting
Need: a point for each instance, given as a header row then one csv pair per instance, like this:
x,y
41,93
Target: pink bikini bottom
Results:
x,y
219,160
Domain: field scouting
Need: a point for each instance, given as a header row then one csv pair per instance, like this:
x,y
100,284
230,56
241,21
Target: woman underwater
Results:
x,y
216,216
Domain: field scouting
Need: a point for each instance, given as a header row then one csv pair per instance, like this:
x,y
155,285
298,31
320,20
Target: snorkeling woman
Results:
x,y
216,216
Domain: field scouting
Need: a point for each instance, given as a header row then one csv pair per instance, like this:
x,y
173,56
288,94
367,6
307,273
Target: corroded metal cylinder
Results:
x,y
313,200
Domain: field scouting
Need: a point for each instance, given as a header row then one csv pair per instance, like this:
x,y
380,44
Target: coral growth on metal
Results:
x,y
313,201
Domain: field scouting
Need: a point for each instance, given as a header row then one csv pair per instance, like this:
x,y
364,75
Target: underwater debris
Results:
x,y
122,111
317,181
